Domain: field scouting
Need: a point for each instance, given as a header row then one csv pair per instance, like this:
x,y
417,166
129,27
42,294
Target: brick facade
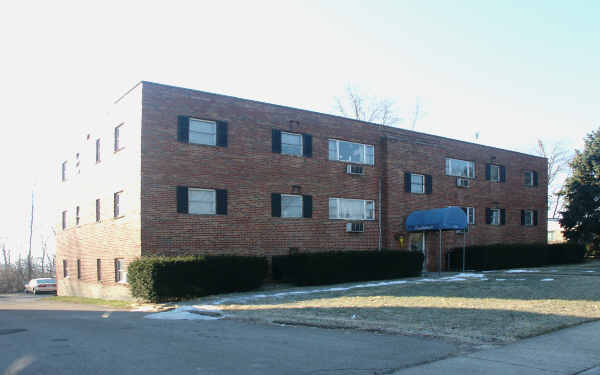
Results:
x,y
250,172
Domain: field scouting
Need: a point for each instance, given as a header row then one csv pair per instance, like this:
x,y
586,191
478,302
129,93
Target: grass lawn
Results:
x,y
496,308
94,301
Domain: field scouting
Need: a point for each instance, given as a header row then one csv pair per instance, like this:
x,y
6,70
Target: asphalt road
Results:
x,y
47,337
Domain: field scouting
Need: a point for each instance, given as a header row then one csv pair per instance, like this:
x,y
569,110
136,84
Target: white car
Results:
x,y
36,286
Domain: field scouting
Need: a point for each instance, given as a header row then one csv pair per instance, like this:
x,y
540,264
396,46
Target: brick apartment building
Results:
x,y
175,171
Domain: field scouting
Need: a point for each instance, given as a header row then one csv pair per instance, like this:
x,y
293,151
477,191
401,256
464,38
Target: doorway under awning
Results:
x,y
439,219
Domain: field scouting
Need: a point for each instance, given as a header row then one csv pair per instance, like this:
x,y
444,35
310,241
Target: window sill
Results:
x,y
352,162
469,178
117,150
346,219
118,217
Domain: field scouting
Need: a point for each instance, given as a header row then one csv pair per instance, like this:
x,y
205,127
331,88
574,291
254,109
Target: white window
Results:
x,y
528,217
351,152
495,173
460,168
202,201
64,171
291,205
291,144
120,273
416,241
203,132
351,209
495,216
417,183
529,179
470,211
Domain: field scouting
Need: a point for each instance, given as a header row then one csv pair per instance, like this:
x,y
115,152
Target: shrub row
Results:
x,y
501,256
346,266
169,278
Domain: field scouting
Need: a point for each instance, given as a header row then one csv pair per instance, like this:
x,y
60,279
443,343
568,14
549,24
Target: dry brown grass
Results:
x,y
472,311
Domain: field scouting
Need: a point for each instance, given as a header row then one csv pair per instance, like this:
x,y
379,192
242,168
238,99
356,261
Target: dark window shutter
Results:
x,y
221,133
183,129
407,182
502,216
221,202
522,217
182,199
488,172
428,184
488,215
307,206
307,145
276,205
502,174
535,217
276,145
535,178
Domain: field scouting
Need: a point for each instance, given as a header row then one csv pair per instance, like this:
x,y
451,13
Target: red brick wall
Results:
x,y
250,172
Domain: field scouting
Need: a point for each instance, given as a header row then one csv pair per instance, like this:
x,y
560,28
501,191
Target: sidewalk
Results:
x,y
569,351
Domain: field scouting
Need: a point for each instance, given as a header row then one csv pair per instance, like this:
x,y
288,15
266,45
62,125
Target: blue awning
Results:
x,y
450,218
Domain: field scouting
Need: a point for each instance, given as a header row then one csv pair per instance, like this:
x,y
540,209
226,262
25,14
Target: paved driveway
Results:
x,y
47,337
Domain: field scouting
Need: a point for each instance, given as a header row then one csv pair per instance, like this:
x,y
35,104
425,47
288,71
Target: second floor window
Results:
x,y
351,209
531,178
118,138
98,159
98,216
203,132
351,152
291,144
64,219
117,204
63,171
460,168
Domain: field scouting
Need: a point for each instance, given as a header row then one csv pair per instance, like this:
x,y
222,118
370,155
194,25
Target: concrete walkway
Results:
x,y
569,351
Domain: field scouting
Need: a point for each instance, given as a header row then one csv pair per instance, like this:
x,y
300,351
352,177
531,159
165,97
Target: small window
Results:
x,y
65,269
98,269
64,220
203,132
530,178
351,152
529,217
351,209
460,168
417,183
78,269
118,138
291,205
63,168
291,144
495,216
470,212
98,211
202,201
98,150
416,241
120,273
495,173
77,217
116,204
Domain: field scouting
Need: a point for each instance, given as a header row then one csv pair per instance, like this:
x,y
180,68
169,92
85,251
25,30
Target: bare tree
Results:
x,y
367,108
558,162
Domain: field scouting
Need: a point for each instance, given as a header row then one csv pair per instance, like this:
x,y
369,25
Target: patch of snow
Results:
x,y
181,313
589,271
469,275
500,279
521,271
547,280
519,279
145,308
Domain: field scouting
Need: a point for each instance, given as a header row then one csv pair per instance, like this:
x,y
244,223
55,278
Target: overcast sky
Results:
x,y
511,70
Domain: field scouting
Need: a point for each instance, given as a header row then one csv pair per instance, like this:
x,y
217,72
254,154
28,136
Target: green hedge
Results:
x,y
501,256
170,278
345,266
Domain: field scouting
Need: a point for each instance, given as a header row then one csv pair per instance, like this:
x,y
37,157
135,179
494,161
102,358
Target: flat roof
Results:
x,y
387,127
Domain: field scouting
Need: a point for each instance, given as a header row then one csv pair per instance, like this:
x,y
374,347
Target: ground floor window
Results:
x,y
120,273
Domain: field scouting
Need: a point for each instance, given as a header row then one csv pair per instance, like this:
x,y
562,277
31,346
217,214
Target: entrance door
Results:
x,y
416,242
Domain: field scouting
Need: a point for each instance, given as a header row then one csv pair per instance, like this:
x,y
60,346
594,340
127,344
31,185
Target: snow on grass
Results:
x,y
589,271
182,313
521,271
500,279
547,280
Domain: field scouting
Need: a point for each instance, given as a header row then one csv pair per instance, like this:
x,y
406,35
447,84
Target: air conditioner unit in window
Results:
x,y
354,169
355,227
463,182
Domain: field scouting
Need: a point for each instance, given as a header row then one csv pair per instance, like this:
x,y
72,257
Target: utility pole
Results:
x,y
29,266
